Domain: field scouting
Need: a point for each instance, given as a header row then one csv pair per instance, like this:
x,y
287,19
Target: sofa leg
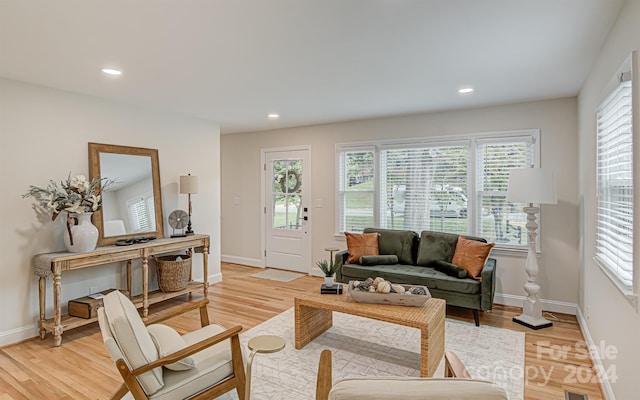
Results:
x,y
476,317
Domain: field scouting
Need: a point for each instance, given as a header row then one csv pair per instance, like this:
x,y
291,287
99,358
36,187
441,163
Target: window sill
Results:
x,y
629,295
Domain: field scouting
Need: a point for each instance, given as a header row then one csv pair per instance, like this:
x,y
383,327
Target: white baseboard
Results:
x,y
607,390
252,262
215,278
547,305
17,335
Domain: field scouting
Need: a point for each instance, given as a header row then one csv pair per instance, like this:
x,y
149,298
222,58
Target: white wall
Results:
x,y
555,118
44,135
612,319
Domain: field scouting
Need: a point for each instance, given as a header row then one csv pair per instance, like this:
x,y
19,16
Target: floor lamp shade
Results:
x,y
188,184
531,185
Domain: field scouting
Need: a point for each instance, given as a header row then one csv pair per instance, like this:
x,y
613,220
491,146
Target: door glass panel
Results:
x,y
287,194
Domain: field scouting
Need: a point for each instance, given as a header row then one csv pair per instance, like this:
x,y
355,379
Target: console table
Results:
x,y
51,265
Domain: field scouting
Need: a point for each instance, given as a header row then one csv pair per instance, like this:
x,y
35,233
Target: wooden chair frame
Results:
x,y
237,380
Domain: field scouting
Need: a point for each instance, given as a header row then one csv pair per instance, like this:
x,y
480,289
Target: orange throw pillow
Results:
x,y
361,244
471,255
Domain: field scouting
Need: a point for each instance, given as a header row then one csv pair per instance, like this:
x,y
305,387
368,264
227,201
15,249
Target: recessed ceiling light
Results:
x,y
111,71
465,90
273,116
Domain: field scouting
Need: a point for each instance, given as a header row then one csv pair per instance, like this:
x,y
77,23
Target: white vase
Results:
x,y
84,235
328,281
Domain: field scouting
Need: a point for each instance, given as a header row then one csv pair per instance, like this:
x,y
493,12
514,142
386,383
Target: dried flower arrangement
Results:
x,y
74,195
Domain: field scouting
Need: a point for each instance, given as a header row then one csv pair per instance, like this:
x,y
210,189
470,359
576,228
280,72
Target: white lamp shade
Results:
x,y
188,184
531,185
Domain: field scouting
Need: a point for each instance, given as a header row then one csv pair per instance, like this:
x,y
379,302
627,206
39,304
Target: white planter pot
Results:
x,y
328,281
84,235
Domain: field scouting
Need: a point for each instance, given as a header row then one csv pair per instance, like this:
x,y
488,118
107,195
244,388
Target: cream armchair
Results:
x,y
157,363
457,385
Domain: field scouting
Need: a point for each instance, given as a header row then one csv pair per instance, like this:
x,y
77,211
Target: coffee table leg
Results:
x,y
431,347
310,323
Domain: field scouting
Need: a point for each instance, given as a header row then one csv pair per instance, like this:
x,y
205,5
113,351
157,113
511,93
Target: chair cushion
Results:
x,y
107,336
361,244
133,339
380,388
403,244
213,366
471,255
168,341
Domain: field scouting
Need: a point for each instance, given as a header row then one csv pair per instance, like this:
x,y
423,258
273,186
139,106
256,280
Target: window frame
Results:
x,y
472,140
630,66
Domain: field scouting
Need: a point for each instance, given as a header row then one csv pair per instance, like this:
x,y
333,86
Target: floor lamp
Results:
x,y
532,185
189,186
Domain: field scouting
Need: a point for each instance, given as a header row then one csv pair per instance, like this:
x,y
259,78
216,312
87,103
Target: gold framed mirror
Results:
x,y
132,206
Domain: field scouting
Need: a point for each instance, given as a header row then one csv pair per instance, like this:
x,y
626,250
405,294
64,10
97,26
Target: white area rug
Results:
x,y
365,347
278,275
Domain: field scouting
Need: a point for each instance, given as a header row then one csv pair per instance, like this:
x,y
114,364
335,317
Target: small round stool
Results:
x,y
331,250
261,344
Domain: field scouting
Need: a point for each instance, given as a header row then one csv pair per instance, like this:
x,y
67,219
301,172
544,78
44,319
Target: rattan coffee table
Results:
x,y
314,315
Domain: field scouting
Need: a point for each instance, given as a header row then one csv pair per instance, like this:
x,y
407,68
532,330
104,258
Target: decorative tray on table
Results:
x,y
398,294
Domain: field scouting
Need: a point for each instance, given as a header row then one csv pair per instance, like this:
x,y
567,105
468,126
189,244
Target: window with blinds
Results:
x,y
501,222
356,188
424,188
614,174
142,213
456,186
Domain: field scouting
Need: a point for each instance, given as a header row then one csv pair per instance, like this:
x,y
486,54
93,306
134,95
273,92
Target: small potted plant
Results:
x,y
328,268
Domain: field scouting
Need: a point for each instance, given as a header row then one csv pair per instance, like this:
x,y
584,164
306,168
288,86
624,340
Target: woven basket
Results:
x,y
173,275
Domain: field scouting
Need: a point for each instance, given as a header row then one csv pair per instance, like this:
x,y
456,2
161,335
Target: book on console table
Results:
x,y
335,289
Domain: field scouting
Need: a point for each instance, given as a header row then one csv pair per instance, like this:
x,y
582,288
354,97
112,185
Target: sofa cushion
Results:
x,y
449,269
403,244
471,255
361,244
435,246
379,260
438,246
414,275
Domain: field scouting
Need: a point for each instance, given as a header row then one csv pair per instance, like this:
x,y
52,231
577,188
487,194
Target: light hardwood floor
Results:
x,y
82,369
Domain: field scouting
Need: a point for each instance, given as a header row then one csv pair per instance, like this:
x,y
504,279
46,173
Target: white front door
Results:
x,y
286,199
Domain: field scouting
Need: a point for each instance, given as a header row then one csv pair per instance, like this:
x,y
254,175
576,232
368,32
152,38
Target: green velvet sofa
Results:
x,y
420,260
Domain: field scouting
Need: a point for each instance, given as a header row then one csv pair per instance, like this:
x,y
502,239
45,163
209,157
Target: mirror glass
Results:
x,y
132,206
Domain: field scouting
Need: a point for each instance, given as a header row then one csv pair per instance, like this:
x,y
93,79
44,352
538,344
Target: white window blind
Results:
x,y
501,222
614,217
356,188
142,213
424,188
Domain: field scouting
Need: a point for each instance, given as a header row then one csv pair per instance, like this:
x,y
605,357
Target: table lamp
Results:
x,y
532,185
189,186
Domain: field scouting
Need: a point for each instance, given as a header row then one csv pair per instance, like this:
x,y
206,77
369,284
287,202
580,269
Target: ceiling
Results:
x,y
311,61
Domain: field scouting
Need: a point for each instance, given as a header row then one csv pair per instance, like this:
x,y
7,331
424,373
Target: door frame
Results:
x,y
263,203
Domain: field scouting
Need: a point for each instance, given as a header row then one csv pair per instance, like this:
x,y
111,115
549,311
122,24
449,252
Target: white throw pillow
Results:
x,y
168,341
